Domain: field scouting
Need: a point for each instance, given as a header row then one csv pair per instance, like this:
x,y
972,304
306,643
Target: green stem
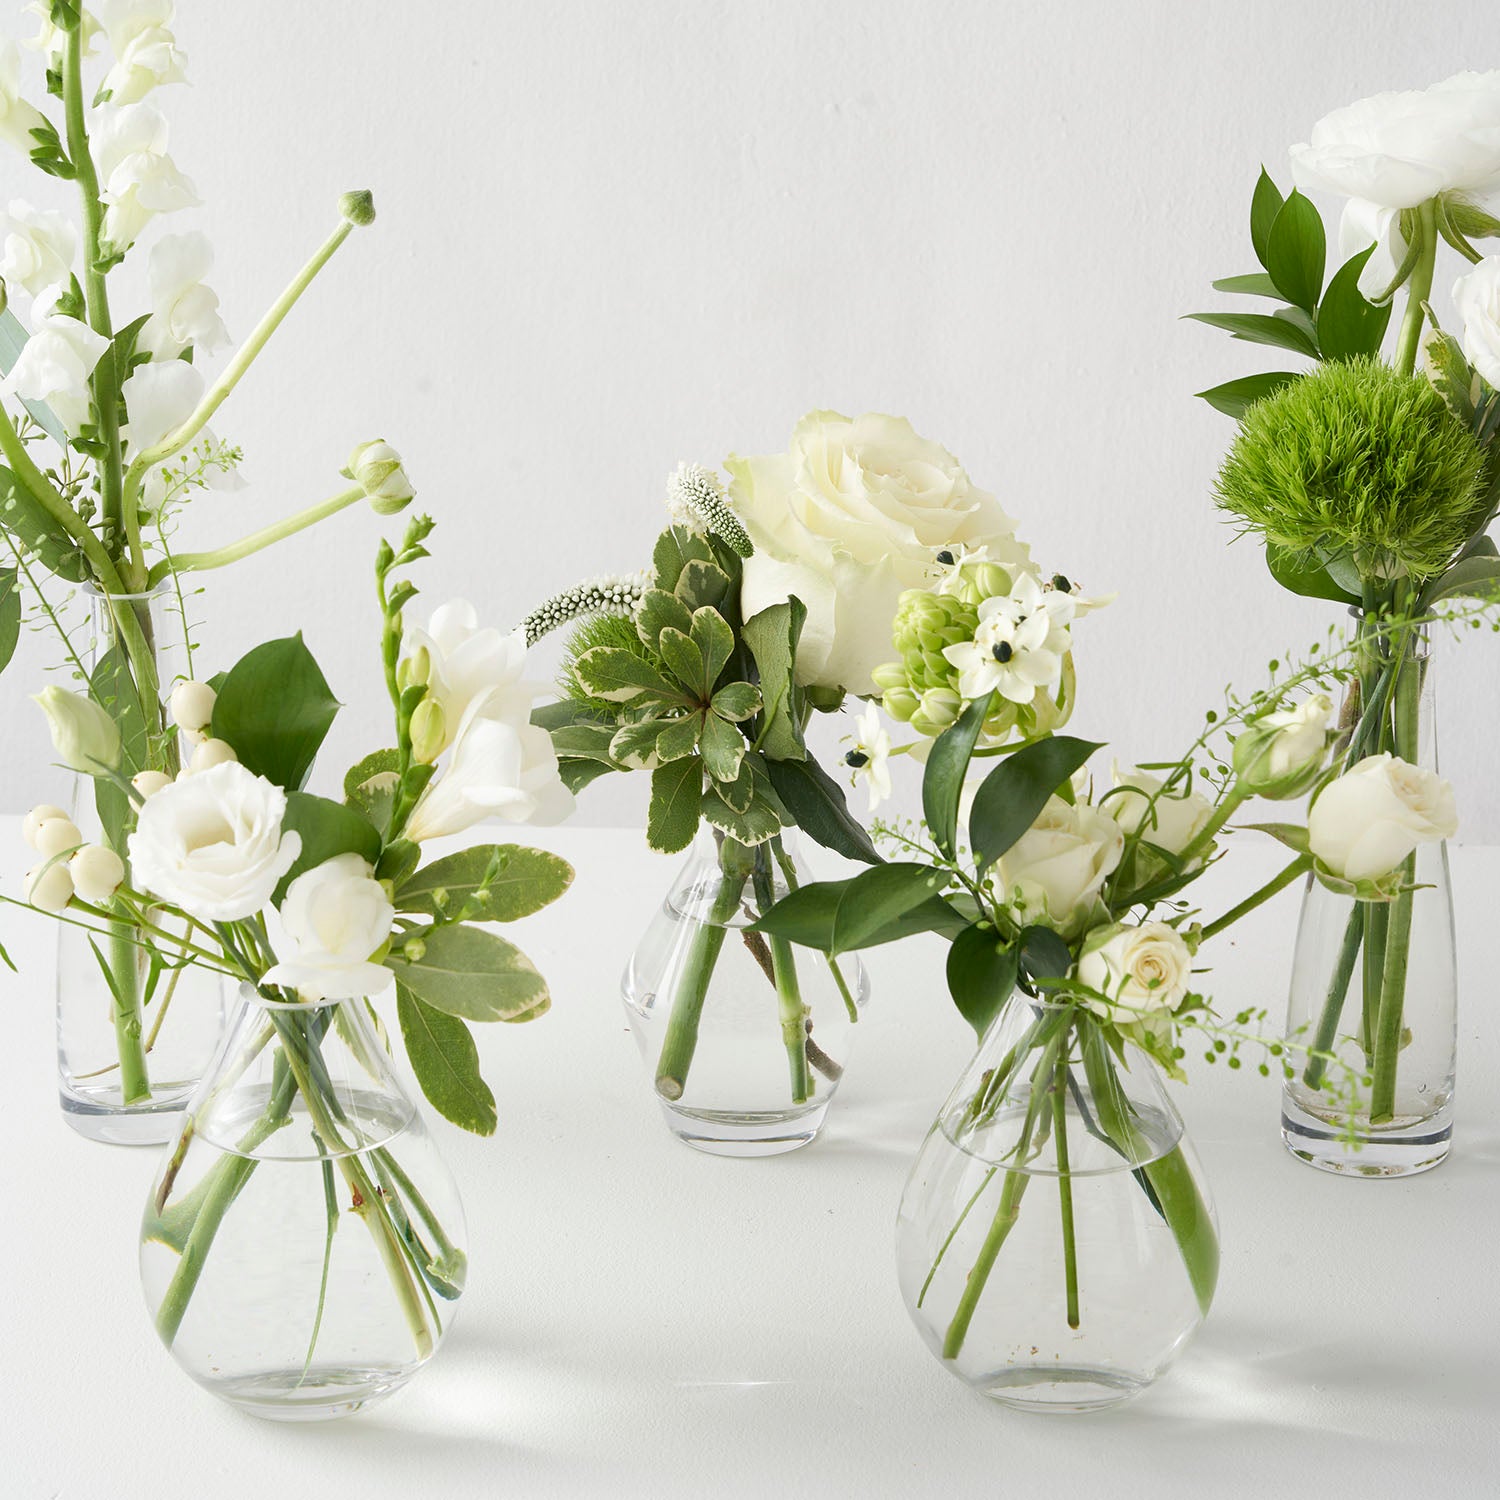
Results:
x,y
1299,866
1333,1004
1377,925
1065,1182
1006,1213
788,993
1387,1038
130,1041
1418,289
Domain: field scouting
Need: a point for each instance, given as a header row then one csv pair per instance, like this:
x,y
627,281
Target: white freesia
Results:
x,y
1477,298
1054,872
18,117
1019,644
184,312
1142,970
213,844
1171,822
869,756
138,179
38,248
1364,824
335,917
852,514
149,60
56,363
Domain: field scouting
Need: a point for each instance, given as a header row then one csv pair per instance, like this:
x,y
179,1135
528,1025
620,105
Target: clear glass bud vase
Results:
x,y
302,1249
1056,1246
1372,1016
745,1037
136,1025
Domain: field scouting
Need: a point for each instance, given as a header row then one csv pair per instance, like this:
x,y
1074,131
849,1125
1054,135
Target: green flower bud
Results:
x,y
85,737
989,579
891,674
376,468
1280,756
428,731
900,703
941,706
358,207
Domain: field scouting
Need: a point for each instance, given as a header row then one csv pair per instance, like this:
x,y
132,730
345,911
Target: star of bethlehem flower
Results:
x,y
868,756
1018,645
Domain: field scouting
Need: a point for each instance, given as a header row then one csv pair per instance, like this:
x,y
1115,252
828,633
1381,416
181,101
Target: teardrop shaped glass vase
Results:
x,y
745,1037
1055,1245
302,1247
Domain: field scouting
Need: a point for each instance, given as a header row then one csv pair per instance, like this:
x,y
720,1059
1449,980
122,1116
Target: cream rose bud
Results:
x,y
192,705
1364,824
48,887
149,783
85,737
376,467
209,754
56,836
1055,871
1280,755
335,917
1477,298
97,873
1140,969
1172,821
41,813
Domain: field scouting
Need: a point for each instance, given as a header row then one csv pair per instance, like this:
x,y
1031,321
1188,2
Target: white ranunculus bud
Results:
x,y
38,815
85,737
1054,872
336,917
1280,755
1171,822
56,836
209,754
149,783
48,887
1477,298
96,873
376,467
192,705
1141,970
1363,825
37,247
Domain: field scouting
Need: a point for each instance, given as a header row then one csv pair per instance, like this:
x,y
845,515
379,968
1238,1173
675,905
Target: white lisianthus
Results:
x,y
1142,971
335,916
849,517
213,844
138,179
38,248
1054,872
150,60
377,468
184,312
1364,824
1477,298
18,117
1019,645
83,734
869,756
56,363
1280,754
1171,822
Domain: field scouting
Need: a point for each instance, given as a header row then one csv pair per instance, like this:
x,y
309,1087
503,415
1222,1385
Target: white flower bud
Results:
x,y
1280,755
376,468
193,705
56,836
48,887
36,817
149,783
96,873
209,754
428,731
85,737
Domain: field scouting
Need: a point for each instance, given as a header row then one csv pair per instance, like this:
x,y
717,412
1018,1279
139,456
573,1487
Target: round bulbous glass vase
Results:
x,y
303,1244
744,1037
1372,1013
137,1025
1056,1245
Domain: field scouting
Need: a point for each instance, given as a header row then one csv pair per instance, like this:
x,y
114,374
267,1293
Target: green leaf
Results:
x,y
1043,953
632,747
474,974
1293,835
723,748
577,774
1299,578
817,803
1265,205
446,1062
981,974
1235,397
327,828
736,701
1256,284
684,660
376,763
1348,325
741,791
1478,577
13,338
679,737
113,688
1470,220
1257,328
116,362
1452,378
370,787
275,708
527,880
10,615
676,797
658,610
620,676
772,636
702,585
876,906
675,548
947,764
1014,793
751,824
29,522
1296,252
715,640
590,740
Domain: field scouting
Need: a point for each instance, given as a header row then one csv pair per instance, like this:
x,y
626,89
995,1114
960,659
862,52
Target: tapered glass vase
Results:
x,y
745,1037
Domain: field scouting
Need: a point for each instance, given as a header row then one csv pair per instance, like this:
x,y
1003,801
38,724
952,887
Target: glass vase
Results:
x,y
302,1245
745,1037
1056,1246
136,1025
1372,1016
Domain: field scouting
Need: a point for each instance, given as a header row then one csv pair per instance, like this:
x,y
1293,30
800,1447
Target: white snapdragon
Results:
x,y
138,179
56,362
1055,871
18,117
1019,644
1477,298
1363,825
51,40
37,247
159,397
150,60
184,312
335,917
868,757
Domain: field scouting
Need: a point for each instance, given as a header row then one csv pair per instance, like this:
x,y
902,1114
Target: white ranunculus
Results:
x,y
1142,970
1054,872
1171,822
850,516
38,248
1364,824
1397,150
150,60
1477,298
213,844
335,916
18,117
85,737
184,312
137,178
1365,224
56,363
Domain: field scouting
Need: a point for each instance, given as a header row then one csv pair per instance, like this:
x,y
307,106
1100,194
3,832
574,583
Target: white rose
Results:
x,y
1141,970
149,60
18,118
137,178
335,916
1057,868
1364,824
850,516
39,246
184,312
213,845
1477,298
1280,754
1397,150
56,362
1172,822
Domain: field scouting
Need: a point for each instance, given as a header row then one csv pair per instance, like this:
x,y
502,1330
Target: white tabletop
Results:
x,y
642,1320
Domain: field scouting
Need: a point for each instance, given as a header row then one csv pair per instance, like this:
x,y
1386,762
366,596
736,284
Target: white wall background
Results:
x,y
615,235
